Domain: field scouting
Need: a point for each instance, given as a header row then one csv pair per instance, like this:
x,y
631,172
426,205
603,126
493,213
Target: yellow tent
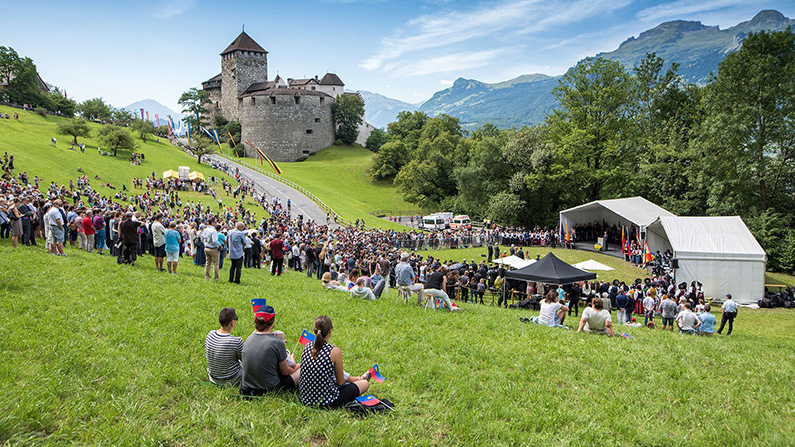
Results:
x,y
170,174
195,175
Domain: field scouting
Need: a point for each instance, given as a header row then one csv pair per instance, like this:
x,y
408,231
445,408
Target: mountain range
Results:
x,y
527,99
154,108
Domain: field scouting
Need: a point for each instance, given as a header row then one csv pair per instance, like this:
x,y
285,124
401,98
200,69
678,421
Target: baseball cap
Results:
x,y
267,312
729,295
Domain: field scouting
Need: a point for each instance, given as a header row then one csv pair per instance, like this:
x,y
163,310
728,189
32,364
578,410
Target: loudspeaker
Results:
x,y
674,263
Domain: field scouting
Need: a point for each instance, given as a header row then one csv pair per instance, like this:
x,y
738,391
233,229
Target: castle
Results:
x,y
287,119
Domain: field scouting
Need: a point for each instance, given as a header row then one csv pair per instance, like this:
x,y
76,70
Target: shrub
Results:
x,y
41,111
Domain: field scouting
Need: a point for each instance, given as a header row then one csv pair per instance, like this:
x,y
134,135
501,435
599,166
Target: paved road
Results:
x,y
300,204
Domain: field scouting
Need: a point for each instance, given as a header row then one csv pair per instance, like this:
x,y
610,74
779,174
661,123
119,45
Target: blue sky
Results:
x,y
405,49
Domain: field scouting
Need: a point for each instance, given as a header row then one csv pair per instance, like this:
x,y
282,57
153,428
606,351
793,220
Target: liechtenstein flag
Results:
x,y
376,374
306,337
368,400
256,303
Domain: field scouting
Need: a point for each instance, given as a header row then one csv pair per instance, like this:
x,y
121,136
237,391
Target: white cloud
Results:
x,y
446,82
488,22
174,7
444,64
680,8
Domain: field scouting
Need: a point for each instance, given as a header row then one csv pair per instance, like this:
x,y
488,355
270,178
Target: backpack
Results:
x,y
356,407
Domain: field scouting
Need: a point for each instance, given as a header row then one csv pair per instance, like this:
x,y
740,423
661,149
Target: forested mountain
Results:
x,y
381,110
527,99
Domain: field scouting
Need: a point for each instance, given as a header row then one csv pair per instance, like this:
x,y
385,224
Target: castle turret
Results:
x,y
243,63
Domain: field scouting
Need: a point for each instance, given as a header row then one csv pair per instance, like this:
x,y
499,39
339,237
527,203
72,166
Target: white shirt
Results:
x,y
648,303
597,320
548,311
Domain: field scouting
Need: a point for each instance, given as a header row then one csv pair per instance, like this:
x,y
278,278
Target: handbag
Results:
x,y
359,408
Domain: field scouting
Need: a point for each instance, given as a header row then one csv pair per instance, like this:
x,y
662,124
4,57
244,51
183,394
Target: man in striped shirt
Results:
x,y
223,351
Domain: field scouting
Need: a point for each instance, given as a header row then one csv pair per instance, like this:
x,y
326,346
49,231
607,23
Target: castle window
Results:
x,y
273,100
313,87
253,100
297,99
306,152
322,100
308,131
317,120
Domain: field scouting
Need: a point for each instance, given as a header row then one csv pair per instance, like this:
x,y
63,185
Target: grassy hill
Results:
x,y
29,140
338,176
100,354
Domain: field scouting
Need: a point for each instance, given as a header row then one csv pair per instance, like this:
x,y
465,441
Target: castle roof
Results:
x,y
260,86
213,82
244,42
331,79
284,91
302,81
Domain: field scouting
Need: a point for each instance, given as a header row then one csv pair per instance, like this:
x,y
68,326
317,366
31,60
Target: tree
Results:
x,y
348,113
750,125
115,138
376,139
592,129
20,76
201,146
193,102
389,160
485,173
408,127
122,117
95,109
143,128
74,128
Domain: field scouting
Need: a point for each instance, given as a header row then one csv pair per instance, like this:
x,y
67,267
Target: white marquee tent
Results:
x,y
591,265
514,261
627,211
719,252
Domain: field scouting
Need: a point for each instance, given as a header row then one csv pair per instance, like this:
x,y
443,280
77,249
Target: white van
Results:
x,y
433,222
461,221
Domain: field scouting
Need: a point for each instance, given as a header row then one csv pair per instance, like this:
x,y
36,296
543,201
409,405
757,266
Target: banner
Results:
x,y
142,114
262,155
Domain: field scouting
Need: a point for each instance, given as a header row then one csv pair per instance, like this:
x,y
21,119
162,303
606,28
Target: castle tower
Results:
x,y
243,63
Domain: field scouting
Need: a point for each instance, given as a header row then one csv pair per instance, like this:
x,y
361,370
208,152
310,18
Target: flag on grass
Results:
x,y
368,400
625,335
256,303
648,257
376,374
306,337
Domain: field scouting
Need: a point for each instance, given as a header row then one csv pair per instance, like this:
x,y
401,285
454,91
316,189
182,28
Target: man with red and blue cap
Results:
x,y
265,366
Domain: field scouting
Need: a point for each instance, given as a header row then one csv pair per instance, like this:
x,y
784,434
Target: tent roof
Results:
x,y
637,210
514,261
711,237
551,270
592,265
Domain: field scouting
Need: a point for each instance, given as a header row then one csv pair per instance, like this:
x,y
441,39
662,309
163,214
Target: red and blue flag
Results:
x,y
256,303
625,335
306,337
376,374
368,400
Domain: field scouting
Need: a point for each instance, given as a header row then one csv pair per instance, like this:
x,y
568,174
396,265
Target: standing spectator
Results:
x,y
277,255
622,304
129,236
172,238
211,252
159,241
54,223
15,215
236,240
28,217
728,314
98,222
310,259
574,299
668,310
88,229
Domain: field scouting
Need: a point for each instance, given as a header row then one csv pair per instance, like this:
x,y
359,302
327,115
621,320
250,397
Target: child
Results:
x,y
651,325
281,336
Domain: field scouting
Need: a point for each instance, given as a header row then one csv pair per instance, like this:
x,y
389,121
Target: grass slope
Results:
x,y
100,354
29,140
338,176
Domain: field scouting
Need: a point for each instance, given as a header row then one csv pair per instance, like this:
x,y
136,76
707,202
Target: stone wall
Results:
x,y
239,70
214,107
284,130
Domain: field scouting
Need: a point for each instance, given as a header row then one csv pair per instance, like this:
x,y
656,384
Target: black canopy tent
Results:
x,y
550,270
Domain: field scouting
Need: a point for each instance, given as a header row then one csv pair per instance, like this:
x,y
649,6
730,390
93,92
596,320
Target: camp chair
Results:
x,y
402,293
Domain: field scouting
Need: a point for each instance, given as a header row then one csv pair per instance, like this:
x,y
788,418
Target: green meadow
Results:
x,y
95,353
100,354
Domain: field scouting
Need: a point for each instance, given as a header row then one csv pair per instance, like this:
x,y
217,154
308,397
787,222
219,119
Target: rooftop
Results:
x,y
244,42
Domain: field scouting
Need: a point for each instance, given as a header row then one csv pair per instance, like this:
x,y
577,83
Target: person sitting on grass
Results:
x,y
223,351
552,314
327,283
264,359
596,319
322,381
688,321
707,327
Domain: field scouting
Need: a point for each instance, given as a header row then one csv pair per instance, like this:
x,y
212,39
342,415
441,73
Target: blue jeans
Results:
x,y
99,239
